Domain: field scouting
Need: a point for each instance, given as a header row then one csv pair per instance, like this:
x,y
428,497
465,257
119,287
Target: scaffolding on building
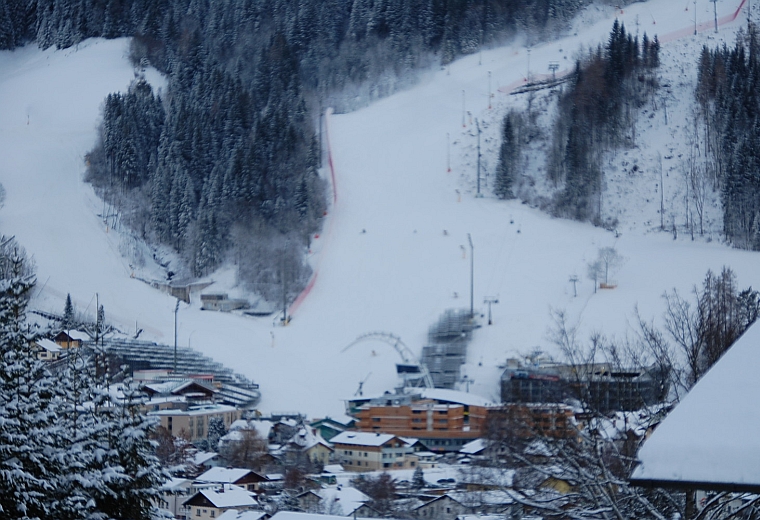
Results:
x,y
446,350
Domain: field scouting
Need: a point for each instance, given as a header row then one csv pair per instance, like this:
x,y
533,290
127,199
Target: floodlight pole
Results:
x,y
176,309
695,17
472,277
715,14
477,125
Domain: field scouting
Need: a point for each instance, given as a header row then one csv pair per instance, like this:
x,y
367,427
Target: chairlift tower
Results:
x,y
554,66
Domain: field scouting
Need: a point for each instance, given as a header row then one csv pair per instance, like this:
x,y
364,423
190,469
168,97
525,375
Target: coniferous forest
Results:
x,y
596,113
727,93
224,164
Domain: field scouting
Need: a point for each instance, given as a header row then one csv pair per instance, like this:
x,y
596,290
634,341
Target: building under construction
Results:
x,y
598,386
446,350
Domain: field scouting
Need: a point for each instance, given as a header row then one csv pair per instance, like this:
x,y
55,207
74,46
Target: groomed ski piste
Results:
x,y
394,251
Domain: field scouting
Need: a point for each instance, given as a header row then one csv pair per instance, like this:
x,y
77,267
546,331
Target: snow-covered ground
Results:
x,y
413,259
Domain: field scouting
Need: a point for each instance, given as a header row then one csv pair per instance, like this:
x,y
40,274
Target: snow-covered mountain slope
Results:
x,y
394,252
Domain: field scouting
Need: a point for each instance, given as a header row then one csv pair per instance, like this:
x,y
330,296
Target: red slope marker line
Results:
x,y
702,26
668,37
309,286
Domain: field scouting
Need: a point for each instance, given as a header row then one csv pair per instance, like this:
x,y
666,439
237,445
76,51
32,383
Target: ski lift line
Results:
x,y
498,266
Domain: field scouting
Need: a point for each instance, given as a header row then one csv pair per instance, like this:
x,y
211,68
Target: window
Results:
x,y
198,512
213,513
365,454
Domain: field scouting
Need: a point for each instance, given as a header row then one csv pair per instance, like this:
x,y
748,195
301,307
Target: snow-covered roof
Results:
x,y
220,475
306,439
234,514
710,439
48,345
362,438
349,498
343,420
77,335
174,484
229,496
473,447
292,515
203,456
262,427
453,396
333,468
200,410
445,396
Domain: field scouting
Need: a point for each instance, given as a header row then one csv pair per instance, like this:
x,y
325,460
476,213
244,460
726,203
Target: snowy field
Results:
x,y
413,259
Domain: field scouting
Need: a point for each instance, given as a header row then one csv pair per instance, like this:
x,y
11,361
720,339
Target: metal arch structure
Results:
x,y
407,356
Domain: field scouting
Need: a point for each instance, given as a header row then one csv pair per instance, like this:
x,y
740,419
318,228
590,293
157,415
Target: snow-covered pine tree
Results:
x,y
68,313
216,430
132,471
26,414
509,155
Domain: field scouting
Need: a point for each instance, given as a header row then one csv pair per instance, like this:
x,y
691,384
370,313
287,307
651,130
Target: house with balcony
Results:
x,y
365,451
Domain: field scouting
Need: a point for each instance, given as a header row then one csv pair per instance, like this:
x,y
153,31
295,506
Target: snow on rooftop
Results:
x,y
711,436
234,514
454,396
202,457
473,447
262,427
362,438
229,496
200,410
291,515
78,335
348,497
223,475
48,345
175,483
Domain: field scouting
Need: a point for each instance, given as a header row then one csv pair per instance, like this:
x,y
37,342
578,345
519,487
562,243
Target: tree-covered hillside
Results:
x,y
224,164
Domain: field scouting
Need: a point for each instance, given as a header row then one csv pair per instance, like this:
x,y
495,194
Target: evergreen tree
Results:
x,y
509,155
418,478
68,313
26,413
135,474
216,430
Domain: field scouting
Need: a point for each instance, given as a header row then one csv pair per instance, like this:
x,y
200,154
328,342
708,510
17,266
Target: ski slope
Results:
x,y
394,250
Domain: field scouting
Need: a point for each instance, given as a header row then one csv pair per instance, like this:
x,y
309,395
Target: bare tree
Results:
x,y
610,261
248,450
594,272
704,330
